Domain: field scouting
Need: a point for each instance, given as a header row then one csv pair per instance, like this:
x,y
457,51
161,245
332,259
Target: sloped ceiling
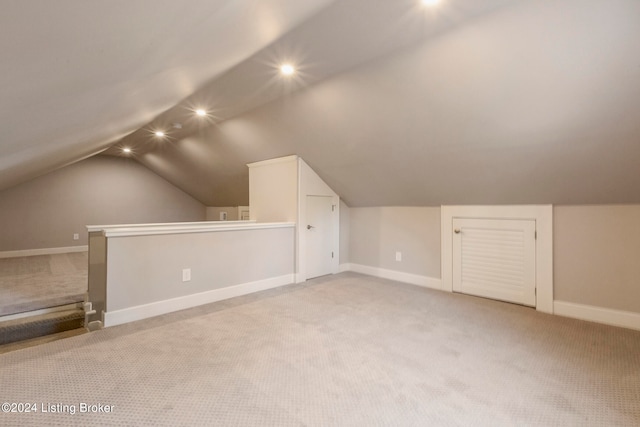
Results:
x,y
474,102
79,75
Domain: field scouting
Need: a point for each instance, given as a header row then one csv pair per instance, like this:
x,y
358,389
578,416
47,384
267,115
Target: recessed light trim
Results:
x,y
126,150
201,112
430,2
287,69
159,133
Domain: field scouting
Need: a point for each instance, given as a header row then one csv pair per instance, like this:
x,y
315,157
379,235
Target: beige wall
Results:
x,y
273,190
596,249
375,234
597,256
213,213
217,260
47,211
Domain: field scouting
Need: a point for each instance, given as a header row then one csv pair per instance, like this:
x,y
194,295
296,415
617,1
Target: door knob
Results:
x,y
457,231
309,227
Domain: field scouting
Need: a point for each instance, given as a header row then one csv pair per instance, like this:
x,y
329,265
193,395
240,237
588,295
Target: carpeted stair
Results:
x,y
30,327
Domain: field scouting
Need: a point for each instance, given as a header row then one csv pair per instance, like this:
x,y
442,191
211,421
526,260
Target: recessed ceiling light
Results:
x,y
430,2
159,134
287,69
200,112
126,150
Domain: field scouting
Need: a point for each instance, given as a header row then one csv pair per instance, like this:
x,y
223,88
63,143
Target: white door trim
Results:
x,y
542,214
507,275
311,254
310,184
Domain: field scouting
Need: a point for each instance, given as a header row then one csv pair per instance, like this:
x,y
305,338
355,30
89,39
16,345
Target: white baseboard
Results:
x,y
606,316
44,251
131,314
398,276
625,319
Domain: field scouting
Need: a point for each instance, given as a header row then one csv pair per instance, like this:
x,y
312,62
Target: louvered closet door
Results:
x,y
495,259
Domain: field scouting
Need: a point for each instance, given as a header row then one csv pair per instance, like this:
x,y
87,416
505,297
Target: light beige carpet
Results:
x,y
36,282
347,350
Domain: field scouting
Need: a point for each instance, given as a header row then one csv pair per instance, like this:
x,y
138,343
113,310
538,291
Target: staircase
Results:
x,y
41,323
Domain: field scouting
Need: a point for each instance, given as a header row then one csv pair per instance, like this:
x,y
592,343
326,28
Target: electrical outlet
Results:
x,y
398,256
76,236
186,274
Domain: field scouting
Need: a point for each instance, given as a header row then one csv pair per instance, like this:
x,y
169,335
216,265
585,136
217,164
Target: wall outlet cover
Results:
x,y
398,256
186,274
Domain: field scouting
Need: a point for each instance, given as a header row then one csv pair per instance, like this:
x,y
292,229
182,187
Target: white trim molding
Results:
x,y
625,319
398,276
542,214
131,314
268,162
177,228
44,251
94,228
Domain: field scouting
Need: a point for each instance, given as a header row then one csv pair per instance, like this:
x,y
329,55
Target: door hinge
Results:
x,y
535,235
331,254
333,208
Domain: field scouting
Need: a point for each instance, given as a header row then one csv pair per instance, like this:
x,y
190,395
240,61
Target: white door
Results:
x,y
319,238
495,258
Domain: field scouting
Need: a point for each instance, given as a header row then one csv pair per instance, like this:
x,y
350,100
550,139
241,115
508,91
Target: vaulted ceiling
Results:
x,y
77,76
394,103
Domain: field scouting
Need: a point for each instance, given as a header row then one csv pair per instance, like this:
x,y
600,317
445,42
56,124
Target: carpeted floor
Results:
x,y
343,350
42,281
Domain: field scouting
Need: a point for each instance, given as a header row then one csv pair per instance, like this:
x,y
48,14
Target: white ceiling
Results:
x,y
476,101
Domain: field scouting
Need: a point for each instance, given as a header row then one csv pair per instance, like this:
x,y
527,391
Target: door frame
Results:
x,y
542,214
523,228
331,235
301,249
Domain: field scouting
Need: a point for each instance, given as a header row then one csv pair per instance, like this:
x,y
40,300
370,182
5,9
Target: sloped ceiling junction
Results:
x,y
77,76
470,102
